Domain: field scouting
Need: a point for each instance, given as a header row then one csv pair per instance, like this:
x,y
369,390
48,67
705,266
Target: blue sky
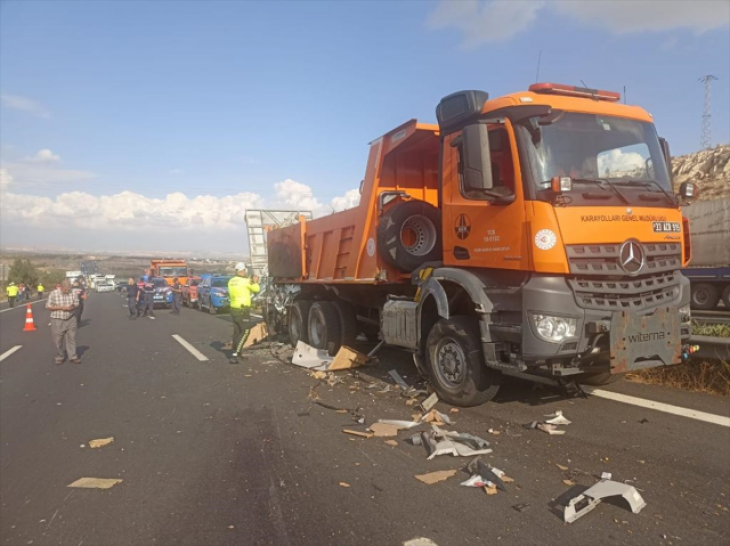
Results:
x,y
273,103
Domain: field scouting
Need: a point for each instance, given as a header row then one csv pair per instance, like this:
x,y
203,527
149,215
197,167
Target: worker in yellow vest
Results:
x,y
240,289
40,290
12,291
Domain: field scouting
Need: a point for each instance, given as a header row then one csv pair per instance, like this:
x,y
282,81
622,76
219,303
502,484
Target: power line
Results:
x,y
706,136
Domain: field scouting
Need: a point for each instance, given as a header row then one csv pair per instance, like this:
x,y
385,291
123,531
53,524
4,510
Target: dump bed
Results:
x,y
343,247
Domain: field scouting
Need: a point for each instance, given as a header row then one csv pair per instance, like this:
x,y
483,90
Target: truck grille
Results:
x,y
604,259
600,283
632,294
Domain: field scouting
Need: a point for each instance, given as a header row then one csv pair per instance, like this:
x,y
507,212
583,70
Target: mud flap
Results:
x,y
639,342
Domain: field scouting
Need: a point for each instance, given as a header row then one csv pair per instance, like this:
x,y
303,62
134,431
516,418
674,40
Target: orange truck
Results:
x,y
535,235
169,269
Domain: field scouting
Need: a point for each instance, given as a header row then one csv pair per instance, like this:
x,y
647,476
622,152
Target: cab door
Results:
x,y
484,228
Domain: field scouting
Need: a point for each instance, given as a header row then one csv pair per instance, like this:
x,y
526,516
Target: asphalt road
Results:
x,y
216,454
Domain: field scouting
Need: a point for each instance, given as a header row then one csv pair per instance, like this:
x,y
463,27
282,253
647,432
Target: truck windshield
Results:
x,y
173,271
623,152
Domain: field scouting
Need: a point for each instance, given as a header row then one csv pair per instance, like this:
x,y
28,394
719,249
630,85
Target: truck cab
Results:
x,y
535,233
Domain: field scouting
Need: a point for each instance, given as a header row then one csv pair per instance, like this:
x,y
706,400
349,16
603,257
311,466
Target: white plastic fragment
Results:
x,y
557,418
550,429
400,424
582,504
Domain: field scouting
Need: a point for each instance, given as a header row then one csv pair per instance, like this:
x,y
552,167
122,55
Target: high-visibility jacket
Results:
x,y
240,290
12,291
41,288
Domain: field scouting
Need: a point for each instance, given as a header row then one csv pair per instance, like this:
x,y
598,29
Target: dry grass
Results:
x,y
708,376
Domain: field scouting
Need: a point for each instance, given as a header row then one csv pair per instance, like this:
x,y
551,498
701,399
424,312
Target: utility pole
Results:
x,y
706,138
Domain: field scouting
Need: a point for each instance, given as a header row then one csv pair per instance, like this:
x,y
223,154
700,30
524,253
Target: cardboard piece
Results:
x,y
347,358
435,477
384,430
258,333
100,442
95,483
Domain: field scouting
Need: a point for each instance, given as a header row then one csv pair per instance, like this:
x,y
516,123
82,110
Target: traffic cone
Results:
x,y
29,324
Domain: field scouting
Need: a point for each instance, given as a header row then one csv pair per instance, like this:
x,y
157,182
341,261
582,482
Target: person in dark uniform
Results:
x,y
149,297
80,292
132,297
140,297
176,296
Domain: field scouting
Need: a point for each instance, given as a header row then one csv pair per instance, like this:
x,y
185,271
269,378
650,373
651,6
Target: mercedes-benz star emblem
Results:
x,y
629,211
631,257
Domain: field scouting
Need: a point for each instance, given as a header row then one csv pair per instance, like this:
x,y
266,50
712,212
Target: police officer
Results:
x,y
140,297
240,289
40,289
12,291
149,297
176,296
80,292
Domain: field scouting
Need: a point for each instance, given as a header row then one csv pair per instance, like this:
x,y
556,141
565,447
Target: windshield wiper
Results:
x,y
602,183
649,184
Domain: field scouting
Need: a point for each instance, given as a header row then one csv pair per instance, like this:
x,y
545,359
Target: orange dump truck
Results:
x,y
169,269
534,234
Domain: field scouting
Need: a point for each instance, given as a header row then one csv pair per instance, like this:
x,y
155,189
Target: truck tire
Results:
x,y
409,234
298,321
348,322
726,297
598,379
704,296
456,364
323,327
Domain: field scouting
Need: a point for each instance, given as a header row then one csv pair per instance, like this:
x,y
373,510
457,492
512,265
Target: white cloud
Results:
x,y
46,156
499,20
648,15
5,179
37,172
482,22
16,102
174,214
177,171
349,200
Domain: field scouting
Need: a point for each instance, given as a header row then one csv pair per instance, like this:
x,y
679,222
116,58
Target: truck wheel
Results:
x,y
298,316
409,234
456,363
726,297
598,379
324,327
348,322
704,296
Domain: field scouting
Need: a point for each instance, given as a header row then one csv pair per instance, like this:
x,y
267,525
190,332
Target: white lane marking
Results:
x,y
7,353
659,406
22,305
197,354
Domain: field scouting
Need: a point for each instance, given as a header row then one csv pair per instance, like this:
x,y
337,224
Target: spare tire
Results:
x,y
409,234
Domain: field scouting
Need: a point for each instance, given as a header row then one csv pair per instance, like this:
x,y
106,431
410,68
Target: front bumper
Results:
x,y
605,340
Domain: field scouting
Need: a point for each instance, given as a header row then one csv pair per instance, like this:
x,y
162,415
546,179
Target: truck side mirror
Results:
x,y
667,156
476,165
687,191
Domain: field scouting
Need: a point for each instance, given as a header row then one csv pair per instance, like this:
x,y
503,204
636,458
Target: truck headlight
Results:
x,y
685,315
554,329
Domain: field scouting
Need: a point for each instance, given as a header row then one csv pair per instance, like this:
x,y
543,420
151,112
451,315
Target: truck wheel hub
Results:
x,y
451,362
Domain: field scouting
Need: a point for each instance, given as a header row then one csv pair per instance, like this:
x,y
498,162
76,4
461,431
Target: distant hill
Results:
x,y
709,169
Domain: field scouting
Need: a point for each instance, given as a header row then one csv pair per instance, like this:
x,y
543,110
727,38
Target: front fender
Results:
x,y
433,288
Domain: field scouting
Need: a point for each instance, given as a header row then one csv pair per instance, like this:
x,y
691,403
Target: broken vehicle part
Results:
x,y
553,430
400,424
557,418
429,402
307,356
487,473
399,380
438,442
590,498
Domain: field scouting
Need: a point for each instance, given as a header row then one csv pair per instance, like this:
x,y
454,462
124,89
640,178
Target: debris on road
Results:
x,y
441,442
307,356
520,507
553,430
569,483
95,483
258,333
347,358
429,402
366,435
402,425
391,442
435,477
606,476
93,444
384,430
557,418
399,380
486,475
344,484
435,417
561,467
579,506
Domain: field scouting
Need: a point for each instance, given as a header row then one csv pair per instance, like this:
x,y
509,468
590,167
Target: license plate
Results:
x,y
644,342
